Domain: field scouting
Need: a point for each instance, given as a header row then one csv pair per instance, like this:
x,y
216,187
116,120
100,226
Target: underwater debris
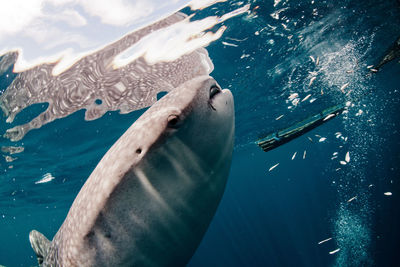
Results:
x,y
273,167
325,240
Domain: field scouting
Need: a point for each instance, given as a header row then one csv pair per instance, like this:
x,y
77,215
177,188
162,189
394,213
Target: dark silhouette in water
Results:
x,y
393,52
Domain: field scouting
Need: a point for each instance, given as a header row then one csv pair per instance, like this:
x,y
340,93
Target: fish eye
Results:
x,y
173,121
214,90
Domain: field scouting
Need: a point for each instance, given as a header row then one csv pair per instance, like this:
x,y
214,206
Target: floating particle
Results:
x,y
309,138
334,251
344,86
312,80
347,158
312,100
304,154
45,179
313,59
278,118
351,199
307,97
229,44
387,193
343,162
294,155
328,117
322,139
325,240
273,167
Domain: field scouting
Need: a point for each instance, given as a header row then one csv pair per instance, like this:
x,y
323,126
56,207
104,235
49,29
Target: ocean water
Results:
x,y
267,216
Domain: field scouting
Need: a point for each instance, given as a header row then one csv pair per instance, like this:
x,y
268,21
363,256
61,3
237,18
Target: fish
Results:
x,y
344,86
325,240
294,155
273,167
347,158
151,197
312,80
387,193
334,251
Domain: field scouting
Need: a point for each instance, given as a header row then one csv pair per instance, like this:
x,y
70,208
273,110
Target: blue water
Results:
x,y
266,218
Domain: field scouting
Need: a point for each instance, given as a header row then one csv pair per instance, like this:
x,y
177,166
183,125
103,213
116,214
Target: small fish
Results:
x,y
329,116
309,138
45,179
322,139
334,251
317,135
293,96
338,169
344,86
312,80
294,155
347,158
335,153
317,61
325,240
307,97
351,199
371,185
387,193
278,118
312,100
343,162
304,154
313,59
349,71
359,113
322,91
273,167
370,66
373,70
229,44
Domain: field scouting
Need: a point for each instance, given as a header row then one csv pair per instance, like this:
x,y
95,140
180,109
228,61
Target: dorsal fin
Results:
x,y
40,245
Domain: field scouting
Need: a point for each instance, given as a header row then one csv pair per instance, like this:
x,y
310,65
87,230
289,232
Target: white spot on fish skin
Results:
x,y
347,158
351,199
343,162
304,154
45,179
322,139
273,167
334,251
387,193
294,155
278,118
325,240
